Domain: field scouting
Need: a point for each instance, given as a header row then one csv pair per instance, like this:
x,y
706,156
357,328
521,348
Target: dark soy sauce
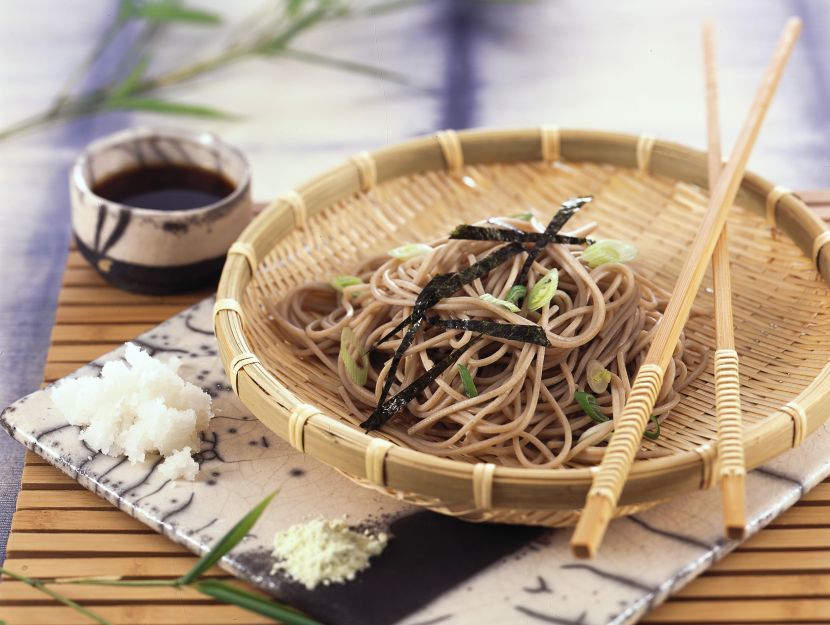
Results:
x,y
165,187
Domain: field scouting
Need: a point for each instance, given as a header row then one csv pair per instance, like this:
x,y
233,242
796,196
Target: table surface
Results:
x,y
632,66
61,529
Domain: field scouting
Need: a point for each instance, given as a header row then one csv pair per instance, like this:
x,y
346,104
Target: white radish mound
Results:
x,y
138,407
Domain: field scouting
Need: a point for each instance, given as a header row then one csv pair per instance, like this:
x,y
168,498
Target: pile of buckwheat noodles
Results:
x,y
525,413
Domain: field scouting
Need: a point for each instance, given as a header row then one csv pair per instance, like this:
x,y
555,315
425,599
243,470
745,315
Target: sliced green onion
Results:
x,y
516,292
499,302
470,389
598,376
543,291
655,433
341,282
589,406
608,251
522,216
354,358
410,250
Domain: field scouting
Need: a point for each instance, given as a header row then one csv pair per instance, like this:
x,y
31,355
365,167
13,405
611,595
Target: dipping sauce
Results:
x,y
165,187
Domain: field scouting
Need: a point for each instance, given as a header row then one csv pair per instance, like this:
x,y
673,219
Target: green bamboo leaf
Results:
x,y
40,586
171,11
227,542
155,105
292,8
128,85
277,43
126,8
228,593
314,58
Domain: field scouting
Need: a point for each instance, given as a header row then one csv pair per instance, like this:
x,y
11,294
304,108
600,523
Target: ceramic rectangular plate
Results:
x,y
436,569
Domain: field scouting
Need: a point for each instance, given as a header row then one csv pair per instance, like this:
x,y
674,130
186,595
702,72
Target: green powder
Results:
x,y
325,552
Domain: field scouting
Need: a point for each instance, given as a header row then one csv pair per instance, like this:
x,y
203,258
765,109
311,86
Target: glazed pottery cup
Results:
x,y
158,251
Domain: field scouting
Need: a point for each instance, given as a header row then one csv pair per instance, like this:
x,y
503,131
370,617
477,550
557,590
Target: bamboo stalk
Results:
x,y
731,468
609,479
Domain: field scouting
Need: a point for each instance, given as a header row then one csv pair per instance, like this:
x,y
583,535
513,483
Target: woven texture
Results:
x,y
782,345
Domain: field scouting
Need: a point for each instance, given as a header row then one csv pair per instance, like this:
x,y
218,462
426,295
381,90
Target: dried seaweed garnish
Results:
x,y
568,210
525,333
570,240
482,233
433,292
406,341
397,402
446,284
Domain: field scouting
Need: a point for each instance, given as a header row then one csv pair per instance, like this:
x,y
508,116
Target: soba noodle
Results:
x,y
524,413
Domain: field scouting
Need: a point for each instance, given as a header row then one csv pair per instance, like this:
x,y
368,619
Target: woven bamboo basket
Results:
x,y
649,192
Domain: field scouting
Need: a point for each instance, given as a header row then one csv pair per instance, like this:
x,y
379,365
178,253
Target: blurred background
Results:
x,y
301,84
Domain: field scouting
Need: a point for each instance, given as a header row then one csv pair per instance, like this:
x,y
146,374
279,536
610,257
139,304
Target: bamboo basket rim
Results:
x,y
252,381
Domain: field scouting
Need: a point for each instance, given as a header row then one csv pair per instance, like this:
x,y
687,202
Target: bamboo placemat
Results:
x,y
61,529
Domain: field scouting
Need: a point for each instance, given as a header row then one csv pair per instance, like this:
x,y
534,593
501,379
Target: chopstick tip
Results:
x,y
733,496
591,527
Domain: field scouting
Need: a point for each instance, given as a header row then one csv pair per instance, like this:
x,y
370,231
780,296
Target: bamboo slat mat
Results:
x,y
781,575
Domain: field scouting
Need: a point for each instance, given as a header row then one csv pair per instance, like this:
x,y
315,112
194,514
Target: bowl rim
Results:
x,y
78,176
400,469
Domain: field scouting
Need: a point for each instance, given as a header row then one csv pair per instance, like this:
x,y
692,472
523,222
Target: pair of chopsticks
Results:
x,y
709,243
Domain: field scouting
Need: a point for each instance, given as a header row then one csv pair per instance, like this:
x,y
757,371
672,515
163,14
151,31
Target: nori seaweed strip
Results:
x,y
480,233
525,333
446,284
569,240
569,208
433,292
442,286
397,403
406,341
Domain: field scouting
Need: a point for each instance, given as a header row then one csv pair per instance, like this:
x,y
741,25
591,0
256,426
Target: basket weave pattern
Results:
x,y
781,305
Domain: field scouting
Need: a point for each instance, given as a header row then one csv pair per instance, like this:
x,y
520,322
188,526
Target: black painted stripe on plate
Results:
x,y
550,618
780,476
682,538
169,515
428,554
623,580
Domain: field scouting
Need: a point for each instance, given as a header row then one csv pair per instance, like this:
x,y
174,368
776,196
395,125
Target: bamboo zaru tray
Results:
x,y
651,193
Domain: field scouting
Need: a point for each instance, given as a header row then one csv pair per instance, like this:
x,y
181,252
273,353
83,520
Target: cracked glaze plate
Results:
x,y
435,569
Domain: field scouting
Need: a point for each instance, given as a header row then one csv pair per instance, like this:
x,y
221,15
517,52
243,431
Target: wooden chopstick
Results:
x,y
608,482
731,468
